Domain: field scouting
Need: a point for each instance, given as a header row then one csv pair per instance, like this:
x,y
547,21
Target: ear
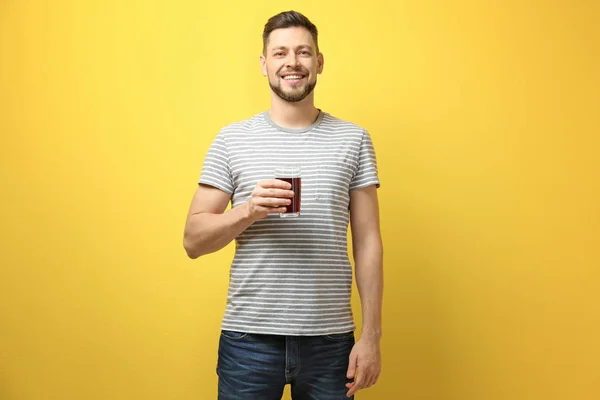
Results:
x,y
263,65
320,63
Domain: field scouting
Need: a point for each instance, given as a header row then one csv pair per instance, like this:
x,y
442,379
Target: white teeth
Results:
x,y
292,77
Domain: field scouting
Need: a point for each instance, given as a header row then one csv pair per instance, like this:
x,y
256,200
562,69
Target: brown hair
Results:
x,y
289,19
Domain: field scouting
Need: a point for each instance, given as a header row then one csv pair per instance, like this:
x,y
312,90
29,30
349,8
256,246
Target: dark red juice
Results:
x,y
294,207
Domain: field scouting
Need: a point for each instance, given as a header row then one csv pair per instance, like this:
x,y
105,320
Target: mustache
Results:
x,y
292,71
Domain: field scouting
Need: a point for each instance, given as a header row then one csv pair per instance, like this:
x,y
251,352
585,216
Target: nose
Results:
x,y
292,60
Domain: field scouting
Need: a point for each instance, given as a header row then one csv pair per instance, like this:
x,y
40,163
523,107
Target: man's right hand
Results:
x,y
269,197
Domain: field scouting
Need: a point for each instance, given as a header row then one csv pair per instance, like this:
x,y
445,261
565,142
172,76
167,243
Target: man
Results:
x,y
288,317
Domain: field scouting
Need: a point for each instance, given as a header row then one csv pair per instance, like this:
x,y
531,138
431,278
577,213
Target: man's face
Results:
x,y
291,63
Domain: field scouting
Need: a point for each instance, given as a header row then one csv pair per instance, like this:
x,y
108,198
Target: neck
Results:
x,y
293,115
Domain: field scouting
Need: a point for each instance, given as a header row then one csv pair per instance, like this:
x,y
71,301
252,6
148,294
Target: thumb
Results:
x,y
352,366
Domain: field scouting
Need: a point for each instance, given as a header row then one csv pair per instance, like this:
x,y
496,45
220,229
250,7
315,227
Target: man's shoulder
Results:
x,y
342,125
250,124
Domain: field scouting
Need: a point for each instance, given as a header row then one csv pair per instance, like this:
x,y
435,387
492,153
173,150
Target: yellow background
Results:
x,y
484,115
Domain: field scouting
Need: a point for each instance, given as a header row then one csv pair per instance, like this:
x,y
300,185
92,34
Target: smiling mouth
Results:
x,y
293,80
293,77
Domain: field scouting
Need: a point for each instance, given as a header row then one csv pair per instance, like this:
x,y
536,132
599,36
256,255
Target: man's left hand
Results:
x,y
365,365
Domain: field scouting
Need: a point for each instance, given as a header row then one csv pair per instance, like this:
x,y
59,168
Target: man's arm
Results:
x,y
208,228
368,259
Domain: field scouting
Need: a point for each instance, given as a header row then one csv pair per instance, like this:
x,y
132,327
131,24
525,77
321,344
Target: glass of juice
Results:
x,y
292,175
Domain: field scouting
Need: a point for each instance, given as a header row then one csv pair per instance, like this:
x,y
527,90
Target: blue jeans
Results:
x,y
257,367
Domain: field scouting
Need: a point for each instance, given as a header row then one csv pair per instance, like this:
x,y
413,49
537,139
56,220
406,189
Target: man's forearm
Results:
x,y
368,258
208,232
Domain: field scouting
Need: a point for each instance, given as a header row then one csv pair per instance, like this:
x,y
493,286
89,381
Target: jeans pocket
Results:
x,y
339,337
234,335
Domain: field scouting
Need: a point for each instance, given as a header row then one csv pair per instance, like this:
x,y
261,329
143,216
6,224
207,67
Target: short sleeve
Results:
x,y
366,171
216,170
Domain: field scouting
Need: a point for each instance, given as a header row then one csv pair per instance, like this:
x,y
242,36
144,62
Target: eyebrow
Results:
x,y
304,46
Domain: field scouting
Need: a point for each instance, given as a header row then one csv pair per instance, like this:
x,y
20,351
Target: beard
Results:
x,y
295,95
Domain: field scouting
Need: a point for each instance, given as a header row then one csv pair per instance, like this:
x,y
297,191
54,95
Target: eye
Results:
x,y
305,53
278,54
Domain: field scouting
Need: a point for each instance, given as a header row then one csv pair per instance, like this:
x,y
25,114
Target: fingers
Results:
x,y
273,188
352,366
351,373
364,379
356,385
271,196
274,193
272,201
274,183
370,381
263,206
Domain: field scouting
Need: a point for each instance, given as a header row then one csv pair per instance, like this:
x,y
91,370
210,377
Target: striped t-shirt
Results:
x,y
292,276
